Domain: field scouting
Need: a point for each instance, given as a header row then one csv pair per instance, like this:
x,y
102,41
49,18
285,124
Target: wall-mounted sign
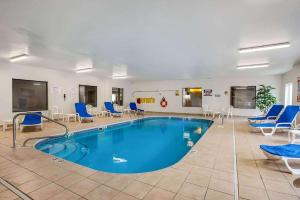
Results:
x,y
298,95
207,92
145,100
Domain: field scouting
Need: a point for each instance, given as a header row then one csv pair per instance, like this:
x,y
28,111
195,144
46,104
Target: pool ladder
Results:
x,y
66,133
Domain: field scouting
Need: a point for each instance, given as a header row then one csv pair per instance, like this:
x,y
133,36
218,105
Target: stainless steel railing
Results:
x,y
66,133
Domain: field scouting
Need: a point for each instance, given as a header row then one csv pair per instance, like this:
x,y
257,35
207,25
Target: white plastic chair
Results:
x,y
56,111
207,111
228,111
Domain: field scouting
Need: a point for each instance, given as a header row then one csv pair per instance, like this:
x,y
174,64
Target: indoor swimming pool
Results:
x,y
136,146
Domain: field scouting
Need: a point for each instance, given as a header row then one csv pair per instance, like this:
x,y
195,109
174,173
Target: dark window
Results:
x,y
243,97
192,97
88,95
117,96
29,95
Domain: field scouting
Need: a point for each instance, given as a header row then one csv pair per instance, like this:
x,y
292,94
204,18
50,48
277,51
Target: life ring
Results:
x,y
163,102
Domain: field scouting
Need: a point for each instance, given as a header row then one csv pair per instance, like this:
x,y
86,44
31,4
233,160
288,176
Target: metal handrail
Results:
x,y
35,138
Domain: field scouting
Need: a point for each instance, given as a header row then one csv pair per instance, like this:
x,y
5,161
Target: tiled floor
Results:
x,y
206,173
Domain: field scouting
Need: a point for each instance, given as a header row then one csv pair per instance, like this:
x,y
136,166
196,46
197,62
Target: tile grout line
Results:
x,y
236,188
15,190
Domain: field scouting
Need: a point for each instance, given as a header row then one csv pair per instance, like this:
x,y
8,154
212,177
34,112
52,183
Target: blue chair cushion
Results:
x,y
133,107
81,110
288,150
257,118
31,119
109,106
270,125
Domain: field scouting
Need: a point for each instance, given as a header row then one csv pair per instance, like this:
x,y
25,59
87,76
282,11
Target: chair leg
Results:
x,y
293,170
268,134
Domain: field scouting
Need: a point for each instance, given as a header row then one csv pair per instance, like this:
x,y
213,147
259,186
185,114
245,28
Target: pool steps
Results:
x,y
75,151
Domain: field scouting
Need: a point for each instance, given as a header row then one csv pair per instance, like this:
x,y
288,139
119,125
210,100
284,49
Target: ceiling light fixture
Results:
x,y
18,57
253,66
264,47
83,70
119,76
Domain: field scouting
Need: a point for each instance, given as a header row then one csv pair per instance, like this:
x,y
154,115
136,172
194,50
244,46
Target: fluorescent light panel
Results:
x,y
83,70
253,66
119,76
265,47
18,57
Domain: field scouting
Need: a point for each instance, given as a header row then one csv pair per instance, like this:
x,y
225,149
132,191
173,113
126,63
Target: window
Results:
x,y
117,96
288,94
28,95
243,97
192,97
88,95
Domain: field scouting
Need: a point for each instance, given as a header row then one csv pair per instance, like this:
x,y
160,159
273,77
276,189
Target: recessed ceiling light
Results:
x,y
83,70
264,47
253,66
18,57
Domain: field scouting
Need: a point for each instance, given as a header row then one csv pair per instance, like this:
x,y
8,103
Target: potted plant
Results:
x,y
264,98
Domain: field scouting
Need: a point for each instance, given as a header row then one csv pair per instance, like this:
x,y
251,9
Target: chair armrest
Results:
x,y
272,117
283,124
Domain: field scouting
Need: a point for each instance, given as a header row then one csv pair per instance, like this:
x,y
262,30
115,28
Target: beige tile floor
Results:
x,y
205,173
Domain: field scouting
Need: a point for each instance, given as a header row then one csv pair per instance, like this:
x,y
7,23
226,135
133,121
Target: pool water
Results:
x,y
133,147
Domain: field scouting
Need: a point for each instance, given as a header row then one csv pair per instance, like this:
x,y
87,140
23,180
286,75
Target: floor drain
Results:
x,y
296,183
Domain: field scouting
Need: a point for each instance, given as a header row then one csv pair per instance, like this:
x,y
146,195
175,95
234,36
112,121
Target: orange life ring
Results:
x,y
163,102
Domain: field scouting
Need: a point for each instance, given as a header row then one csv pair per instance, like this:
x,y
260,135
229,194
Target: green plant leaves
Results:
x,y
264,98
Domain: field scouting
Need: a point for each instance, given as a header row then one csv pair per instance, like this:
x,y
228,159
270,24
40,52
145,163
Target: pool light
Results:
x,y
253,66
18,57
265,47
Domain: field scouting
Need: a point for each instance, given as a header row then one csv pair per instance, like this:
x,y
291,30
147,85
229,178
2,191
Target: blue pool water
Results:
x,y
133,147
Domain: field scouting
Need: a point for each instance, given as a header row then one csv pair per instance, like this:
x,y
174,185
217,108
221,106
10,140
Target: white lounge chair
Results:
x,y
285,152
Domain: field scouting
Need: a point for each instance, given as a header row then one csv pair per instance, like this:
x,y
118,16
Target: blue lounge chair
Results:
x,y
82,113
110,108
272,114
285,121
32,120
135,109
285,152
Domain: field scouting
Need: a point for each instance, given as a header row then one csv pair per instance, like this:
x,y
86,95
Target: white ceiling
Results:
x,y
157,39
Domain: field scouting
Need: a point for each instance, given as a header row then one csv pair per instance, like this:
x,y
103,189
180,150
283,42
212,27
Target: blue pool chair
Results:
x,y
32,120
285,121
272,114
135,109
82,113
285,152
110,108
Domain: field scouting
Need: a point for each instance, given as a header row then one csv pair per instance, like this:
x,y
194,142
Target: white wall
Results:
x,y
66,82
218,85
291,77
